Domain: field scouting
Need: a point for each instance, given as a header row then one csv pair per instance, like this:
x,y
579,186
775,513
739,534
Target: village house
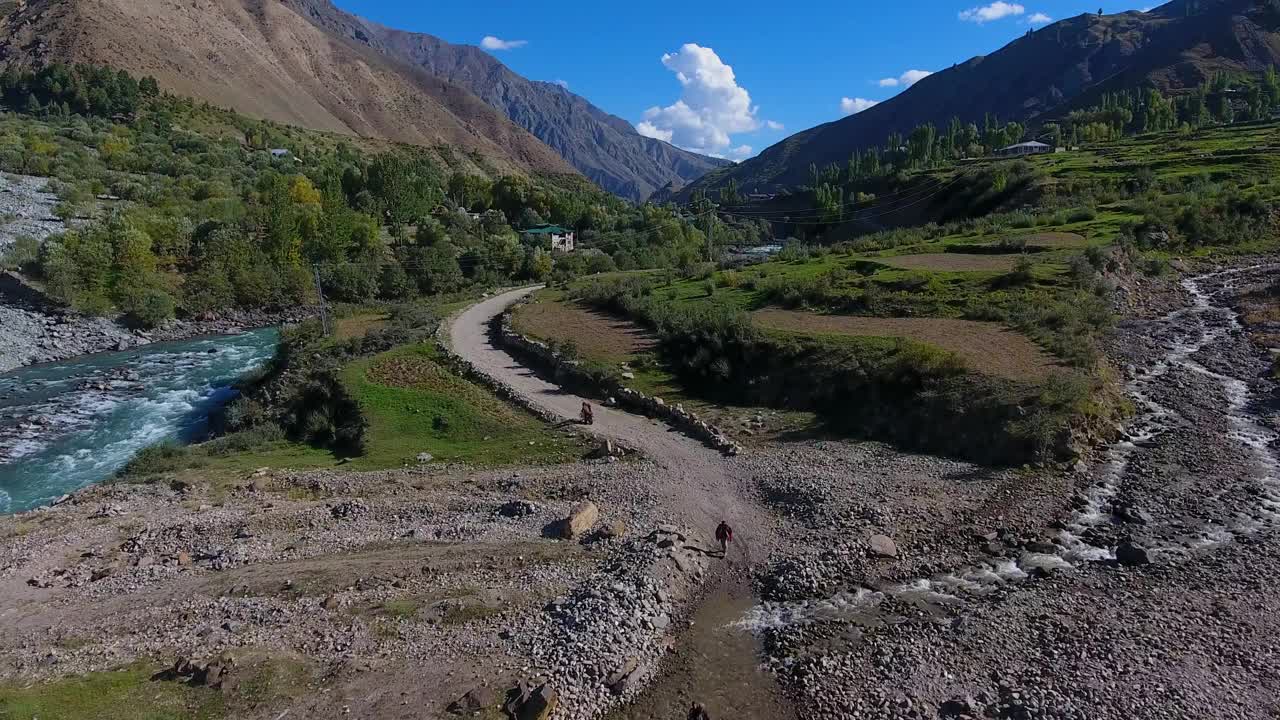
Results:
x,y
1026,148
561,239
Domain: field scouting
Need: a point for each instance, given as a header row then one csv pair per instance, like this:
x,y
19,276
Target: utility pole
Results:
x,y
710,209
324,314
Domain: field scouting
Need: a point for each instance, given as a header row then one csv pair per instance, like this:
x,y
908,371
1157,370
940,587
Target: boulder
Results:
x,y
425,457
1131,554
541,703
471,703
614,530
517,509
184,558
1130,514
525,704
960,707
582,518
882,546
622,679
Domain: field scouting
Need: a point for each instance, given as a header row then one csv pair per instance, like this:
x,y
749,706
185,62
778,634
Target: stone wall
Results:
x,y
570,372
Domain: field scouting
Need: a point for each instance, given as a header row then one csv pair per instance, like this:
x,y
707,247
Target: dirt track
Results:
x,y
699,490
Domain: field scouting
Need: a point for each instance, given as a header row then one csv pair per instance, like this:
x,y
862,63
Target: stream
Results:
x,y
70,424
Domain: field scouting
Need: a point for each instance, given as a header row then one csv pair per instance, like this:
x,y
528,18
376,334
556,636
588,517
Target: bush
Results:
x,y
1022,274
1082,214
729,279
320,411
158,459
24,251
149,309
254,438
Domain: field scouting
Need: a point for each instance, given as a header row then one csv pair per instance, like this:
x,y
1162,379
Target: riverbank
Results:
x,y
67,425
31,337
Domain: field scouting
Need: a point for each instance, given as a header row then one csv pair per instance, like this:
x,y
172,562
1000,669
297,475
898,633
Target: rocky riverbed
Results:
x,y
1133,587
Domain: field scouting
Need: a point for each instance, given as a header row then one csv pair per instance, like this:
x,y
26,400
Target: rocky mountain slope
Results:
x,y
604,147
1042,75
264,58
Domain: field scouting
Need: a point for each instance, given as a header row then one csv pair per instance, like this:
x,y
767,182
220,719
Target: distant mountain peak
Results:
x,y
1040,75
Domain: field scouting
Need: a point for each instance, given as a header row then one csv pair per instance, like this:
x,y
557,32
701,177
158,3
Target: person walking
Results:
x,y
724,535
587,415
698,712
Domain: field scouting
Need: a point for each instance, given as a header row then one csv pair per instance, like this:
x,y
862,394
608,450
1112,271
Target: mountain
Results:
x,y
268,59
1040,76
604,147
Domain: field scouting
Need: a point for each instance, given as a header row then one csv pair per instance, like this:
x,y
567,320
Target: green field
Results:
x,y
415,404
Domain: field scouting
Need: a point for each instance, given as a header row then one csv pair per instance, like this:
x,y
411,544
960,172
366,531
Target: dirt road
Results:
x,y
699,489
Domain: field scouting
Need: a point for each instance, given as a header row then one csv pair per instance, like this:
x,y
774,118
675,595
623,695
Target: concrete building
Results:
x,y
1026,148
561,239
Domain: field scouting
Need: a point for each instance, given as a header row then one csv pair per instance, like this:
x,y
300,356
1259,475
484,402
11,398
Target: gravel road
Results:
x,y
698,487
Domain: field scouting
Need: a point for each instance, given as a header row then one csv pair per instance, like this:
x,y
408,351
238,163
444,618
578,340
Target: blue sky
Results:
x,y
794,64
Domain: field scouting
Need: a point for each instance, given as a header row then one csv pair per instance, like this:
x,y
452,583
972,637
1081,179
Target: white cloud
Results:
x,y
742,152
906,79
562,83
775,125
1039,19
712,106
489,42
997,10
850,106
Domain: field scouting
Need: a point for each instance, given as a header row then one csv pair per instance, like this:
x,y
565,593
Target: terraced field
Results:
x,y
986,347
954,262
594,334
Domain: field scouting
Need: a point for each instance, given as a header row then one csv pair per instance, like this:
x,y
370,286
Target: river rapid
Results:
x,y
70,424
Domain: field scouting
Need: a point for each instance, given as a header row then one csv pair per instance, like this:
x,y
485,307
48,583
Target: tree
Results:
x,y
435,269
394,283
431,232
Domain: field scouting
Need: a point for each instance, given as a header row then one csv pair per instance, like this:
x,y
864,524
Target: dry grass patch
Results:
x,y
597,335
1054,240
986,347
952,262
357,326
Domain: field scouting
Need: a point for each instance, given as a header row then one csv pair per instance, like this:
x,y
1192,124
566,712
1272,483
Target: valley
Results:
x,y
346,372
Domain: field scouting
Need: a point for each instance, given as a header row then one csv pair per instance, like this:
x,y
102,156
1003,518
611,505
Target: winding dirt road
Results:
x,y
714,661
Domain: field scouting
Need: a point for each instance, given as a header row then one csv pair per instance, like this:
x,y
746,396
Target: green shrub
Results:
x,y
157,459
255,438
729,279
24,252
148,309
1082,214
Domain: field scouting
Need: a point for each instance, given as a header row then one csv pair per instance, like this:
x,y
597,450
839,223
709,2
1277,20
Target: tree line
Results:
x,y
1223,99
182,208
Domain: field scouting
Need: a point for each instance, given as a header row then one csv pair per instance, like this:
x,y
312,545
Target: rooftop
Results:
x,y
546,230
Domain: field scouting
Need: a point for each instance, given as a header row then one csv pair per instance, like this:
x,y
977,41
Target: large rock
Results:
x,y
623,679
582,518
525,704
470,704
1131,554
882,546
